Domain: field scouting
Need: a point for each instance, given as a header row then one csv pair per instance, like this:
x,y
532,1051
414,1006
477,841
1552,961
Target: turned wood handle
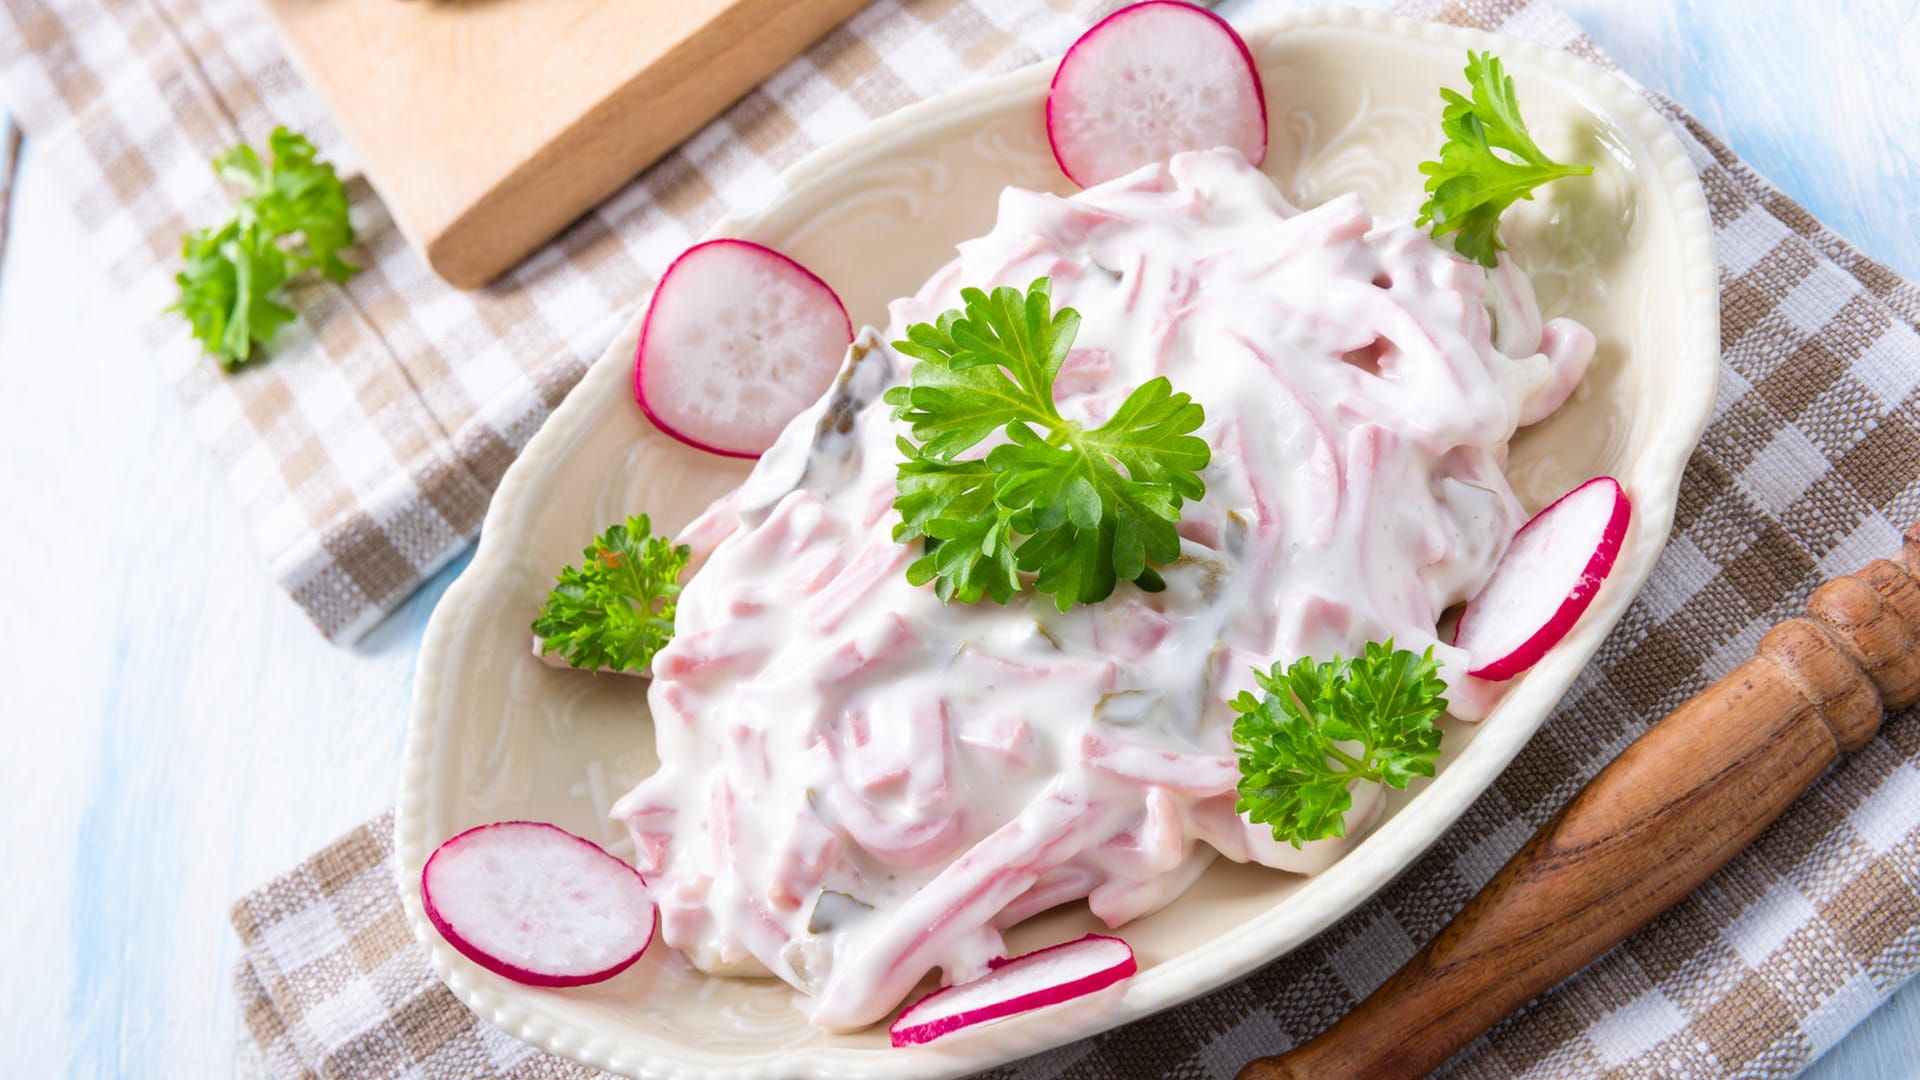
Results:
x,y
1653,825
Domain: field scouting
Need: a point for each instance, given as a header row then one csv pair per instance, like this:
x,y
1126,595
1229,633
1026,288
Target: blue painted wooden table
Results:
x,y
177,732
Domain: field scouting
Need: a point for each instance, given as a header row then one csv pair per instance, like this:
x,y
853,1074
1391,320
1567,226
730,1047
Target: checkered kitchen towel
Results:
x,y
366,450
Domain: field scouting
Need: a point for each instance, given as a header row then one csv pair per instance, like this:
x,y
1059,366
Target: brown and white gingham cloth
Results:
x,y
367,448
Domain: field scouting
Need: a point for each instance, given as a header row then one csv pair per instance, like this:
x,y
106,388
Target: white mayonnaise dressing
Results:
x,y
859,784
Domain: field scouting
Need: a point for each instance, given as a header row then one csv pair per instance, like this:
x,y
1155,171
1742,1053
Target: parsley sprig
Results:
x,y
1078,509
293,218
1488,162
615,610
1295,743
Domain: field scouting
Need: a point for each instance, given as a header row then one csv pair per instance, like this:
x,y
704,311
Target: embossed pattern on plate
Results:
x,y
1352,106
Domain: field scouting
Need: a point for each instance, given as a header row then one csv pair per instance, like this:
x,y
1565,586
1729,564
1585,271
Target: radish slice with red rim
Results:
x,y
1046,977
1148,82
1545,581
738,340
537,904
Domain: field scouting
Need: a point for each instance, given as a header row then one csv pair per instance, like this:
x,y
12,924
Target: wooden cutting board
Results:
x,y
488,125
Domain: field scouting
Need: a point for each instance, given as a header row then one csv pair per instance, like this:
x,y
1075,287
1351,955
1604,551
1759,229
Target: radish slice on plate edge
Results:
x,y
1047,976
737,341
1543,584
1107,108
536,904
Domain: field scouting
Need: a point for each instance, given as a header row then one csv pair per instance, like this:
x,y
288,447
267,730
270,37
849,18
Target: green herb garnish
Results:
x,y
615,610
1472,184
1297,759
1078,509
292,218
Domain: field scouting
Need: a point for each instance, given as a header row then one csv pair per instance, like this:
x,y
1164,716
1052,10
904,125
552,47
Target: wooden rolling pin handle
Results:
x,y
1660,819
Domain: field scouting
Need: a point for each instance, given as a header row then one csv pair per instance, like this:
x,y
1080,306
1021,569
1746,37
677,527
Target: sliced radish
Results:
x,y
1149,81
738,340
537,904
1545,581
1047,977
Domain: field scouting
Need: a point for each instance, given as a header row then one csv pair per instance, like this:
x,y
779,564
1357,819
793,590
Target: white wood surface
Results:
x,y
178,732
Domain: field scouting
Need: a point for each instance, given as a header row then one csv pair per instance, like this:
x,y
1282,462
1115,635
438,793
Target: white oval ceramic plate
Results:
x,y
1353,105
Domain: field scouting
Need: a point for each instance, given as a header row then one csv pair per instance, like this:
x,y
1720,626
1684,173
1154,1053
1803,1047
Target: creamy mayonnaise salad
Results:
x,y
859,784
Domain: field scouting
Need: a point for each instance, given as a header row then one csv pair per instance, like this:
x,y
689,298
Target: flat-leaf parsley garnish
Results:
x,y
1079,509
1297,743
292,218
615,610
1487,163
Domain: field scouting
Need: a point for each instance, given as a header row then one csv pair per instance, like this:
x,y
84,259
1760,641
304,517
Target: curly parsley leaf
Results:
x,y
1488,162
291,218
1078,509
1319,728
615,610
